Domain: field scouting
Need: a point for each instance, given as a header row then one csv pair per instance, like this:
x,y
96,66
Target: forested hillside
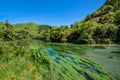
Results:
x,y
103,27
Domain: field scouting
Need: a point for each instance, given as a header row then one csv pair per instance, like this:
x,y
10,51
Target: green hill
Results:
x,y
100,27
108,13
103,27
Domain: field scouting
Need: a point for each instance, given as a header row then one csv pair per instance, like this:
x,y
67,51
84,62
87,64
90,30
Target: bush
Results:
x,y
99,46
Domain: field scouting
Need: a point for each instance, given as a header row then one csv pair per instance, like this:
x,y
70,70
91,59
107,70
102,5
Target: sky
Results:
x,y
50,12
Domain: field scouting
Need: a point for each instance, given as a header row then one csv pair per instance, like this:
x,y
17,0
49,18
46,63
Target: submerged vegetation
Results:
x,y
27,51
45,63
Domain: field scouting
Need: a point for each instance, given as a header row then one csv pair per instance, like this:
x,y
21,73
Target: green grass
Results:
x,y
18,68
33,61
30,27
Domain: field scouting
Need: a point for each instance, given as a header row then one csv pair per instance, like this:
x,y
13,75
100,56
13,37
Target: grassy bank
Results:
x,y
46,61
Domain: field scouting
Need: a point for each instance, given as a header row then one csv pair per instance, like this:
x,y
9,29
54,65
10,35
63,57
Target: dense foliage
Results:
x,y
103,26
100,27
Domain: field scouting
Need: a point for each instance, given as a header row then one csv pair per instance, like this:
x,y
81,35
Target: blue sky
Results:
x,y
51,12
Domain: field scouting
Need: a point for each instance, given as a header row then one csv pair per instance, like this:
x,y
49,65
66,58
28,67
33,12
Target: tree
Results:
x,y
88,17
118,35
117,17
111,31
7,23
